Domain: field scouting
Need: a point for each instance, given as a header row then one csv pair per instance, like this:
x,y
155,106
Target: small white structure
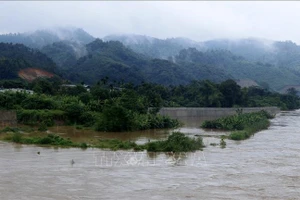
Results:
x,y
15,90
87,87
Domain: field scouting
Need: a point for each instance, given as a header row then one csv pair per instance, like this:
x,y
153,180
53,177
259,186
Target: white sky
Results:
x,y
198,20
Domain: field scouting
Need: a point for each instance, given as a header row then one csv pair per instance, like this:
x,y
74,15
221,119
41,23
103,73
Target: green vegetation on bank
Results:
x,y
176,142
242,125
104,107
111,106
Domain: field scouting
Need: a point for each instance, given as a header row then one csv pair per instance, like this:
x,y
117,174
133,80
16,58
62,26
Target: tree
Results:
x,y
42,85
292,91
231,92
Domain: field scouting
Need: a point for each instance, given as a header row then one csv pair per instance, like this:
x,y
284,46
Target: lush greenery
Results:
x,y
111,106
224,94
177,142
104,107
244,125
15,135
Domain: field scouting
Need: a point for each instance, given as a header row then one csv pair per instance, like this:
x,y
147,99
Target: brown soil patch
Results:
x,y
30,74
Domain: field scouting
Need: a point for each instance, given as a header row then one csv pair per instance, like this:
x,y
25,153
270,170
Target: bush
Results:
x,y
237,122
83,145
116,118
35,117
10,129
88,118
45,140
243,125
116,144
121,119
17,137
43,127
176,142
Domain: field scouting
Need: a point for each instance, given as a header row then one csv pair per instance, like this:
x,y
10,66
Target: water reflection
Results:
x,y
191,127
79,135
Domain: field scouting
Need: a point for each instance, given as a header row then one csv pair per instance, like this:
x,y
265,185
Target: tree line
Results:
x,y
118,106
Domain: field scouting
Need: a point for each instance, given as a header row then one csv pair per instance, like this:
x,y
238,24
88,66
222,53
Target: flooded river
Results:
x,y
266,166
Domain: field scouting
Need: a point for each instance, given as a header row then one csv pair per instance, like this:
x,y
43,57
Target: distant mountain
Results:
x,y
41,38
282,54
17,57
154,47
112,59
239,67
173,61
250,48
282,58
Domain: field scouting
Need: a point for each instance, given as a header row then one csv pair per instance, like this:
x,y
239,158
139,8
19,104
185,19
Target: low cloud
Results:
x,y
198,20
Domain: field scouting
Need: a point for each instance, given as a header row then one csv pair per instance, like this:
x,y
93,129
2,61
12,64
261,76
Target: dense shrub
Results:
x,y
17,137
176,142
120,119
116,118
115,144
36,117
243,125
38,102
237,122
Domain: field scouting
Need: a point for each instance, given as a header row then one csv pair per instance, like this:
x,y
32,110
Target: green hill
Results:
x,y
239,67
15,57
112,59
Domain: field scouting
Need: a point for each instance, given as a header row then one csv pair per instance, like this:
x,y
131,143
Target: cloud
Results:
x,y
199,20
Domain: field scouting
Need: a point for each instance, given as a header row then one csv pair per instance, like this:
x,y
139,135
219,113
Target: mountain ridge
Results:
x,y
140,58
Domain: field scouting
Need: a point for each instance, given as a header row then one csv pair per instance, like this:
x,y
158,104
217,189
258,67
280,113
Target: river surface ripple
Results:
x,y
266,166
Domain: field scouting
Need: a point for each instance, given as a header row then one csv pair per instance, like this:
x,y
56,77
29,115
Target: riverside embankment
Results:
x,y
193,117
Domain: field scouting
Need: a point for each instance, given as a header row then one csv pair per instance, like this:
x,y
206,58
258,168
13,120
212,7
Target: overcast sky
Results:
x,y
198,20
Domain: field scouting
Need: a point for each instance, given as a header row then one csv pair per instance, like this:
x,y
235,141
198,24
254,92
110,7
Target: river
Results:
x,y
266,166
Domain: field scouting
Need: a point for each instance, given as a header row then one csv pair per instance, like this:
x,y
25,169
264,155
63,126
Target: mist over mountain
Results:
x,y
281,57
154,47
239,67
65,53
254,49
41,38
112,59
251,48
172,61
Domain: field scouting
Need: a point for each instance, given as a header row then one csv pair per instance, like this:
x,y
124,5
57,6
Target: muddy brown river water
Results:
x,y
266,166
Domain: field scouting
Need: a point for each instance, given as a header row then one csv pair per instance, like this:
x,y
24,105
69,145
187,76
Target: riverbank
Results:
x,y
176,142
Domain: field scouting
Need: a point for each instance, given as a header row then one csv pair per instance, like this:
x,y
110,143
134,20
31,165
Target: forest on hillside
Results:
x,y
79,57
